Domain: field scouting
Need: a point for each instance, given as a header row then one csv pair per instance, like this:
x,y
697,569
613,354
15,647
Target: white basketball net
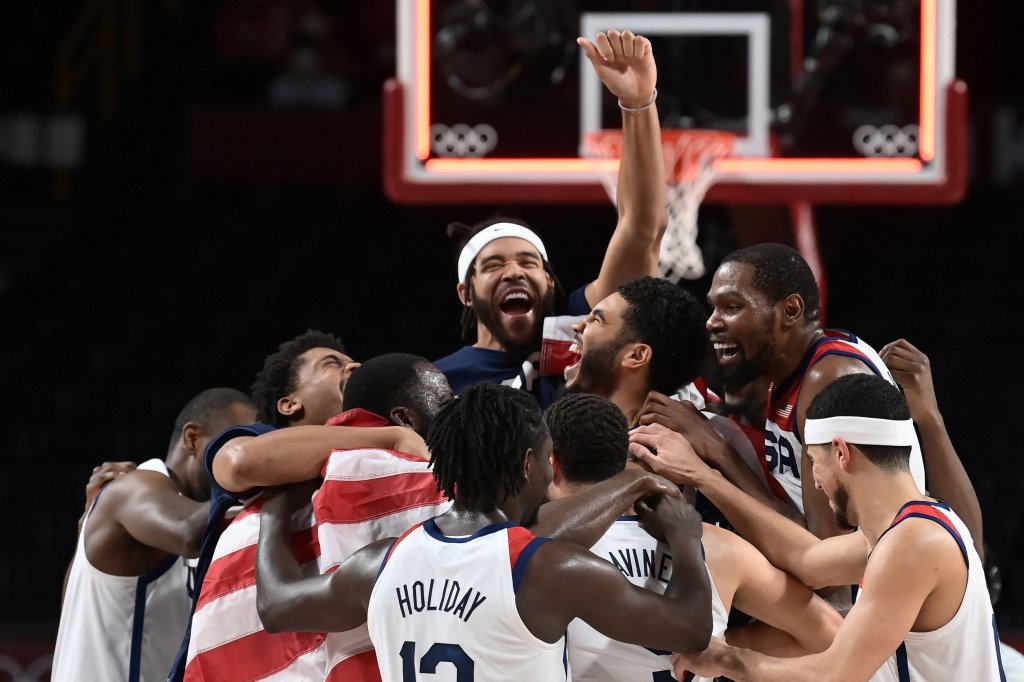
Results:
x,y
690,156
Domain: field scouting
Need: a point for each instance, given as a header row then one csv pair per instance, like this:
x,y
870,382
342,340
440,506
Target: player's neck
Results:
x,y
485,339
175,463
460,520
791,351
628,398
880,499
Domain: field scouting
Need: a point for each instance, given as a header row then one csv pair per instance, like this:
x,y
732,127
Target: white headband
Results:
x,y
488,235
860,431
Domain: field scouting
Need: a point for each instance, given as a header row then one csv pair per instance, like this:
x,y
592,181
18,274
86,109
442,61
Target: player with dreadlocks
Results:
x,y
498,598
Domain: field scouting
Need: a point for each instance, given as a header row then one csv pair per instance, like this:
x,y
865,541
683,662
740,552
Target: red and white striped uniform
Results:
x,y
367,495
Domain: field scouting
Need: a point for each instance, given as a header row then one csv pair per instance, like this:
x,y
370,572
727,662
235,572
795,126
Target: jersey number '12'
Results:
x,y
438,653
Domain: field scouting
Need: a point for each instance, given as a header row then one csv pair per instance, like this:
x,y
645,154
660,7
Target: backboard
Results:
x,y
832,101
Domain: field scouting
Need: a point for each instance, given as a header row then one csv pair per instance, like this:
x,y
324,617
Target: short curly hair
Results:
x,y
671,321
779,271
281,371
589,437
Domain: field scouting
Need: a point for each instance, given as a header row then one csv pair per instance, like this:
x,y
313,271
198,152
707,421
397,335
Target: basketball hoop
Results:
x,y
690,157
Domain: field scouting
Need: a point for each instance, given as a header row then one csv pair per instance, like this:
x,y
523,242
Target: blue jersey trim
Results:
x,y
435,532
999,653
524,558
387,555
628,517
902,667
139,617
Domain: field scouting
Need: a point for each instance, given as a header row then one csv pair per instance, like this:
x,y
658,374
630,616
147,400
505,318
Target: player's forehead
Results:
x,y
316,356
611,308
733,279
507,248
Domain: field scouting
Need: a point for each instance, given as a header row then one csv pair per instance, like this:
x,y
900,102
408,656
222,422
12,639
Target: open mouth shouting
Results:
x,y
576,357
516,301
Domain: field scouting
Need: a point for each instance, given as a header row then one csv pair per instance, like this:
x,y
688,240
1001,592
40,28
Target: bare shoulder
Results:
x,y
916,542
831,367
133,483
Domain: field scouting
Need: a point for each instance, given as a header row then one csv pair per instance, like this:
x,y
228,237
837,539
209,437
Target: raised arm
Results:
x,y
816,563
947,478
686,420
286,600
584,517
625,63
298,453
564,581
770,595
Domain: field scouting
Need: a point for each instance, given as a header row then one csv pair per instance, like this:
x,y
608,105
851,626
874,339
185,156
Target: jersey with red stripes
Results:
x,y
783,441
450,601
965,648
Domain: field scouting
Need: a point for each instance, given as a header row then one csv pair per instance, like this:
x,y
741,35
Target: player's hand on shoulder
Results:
x,y
103,474
647,484
625,63
913,372
669,517
668,453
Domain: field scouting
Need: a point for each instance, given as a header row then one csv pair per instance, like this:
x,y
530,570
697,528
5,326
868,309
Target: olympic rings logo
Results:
x,y
462,140
886,141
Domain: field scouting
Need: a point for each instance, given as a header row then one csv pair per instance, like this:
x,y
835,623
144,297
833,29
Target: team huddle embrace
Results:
x,y
562,498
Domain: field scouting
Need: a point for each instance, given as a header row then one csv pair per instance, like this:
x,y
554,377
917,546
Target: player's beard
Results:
x,y
596,373
841,507
485,313
741,374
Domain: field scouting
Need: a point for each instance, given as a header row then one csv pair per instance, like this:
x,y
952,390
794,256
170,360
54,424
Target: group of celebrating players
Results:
x,y
561,498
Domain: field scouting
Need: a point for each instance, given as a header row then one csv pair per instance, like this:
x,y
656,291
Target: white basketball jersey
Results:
x,y
116,627
646,563
965,648
444,609
783,441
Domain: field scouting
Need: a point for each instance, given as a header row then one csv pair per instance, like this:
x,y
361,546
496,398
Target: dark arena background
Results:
x,y
187,184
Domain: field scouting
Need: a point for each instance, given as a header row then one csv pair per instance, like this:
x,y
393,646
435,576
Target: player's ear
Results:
x,y
402,416
842,452
556,470
527,464
637,357
792,310
289,405
463,291
190,436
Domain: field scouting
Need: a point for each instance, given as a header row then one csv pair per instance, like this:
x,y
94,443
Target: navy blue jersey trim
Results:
x,y
435,532
387,555
139,617
902,667
941,505
999,653
524,558
628,517
843,353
